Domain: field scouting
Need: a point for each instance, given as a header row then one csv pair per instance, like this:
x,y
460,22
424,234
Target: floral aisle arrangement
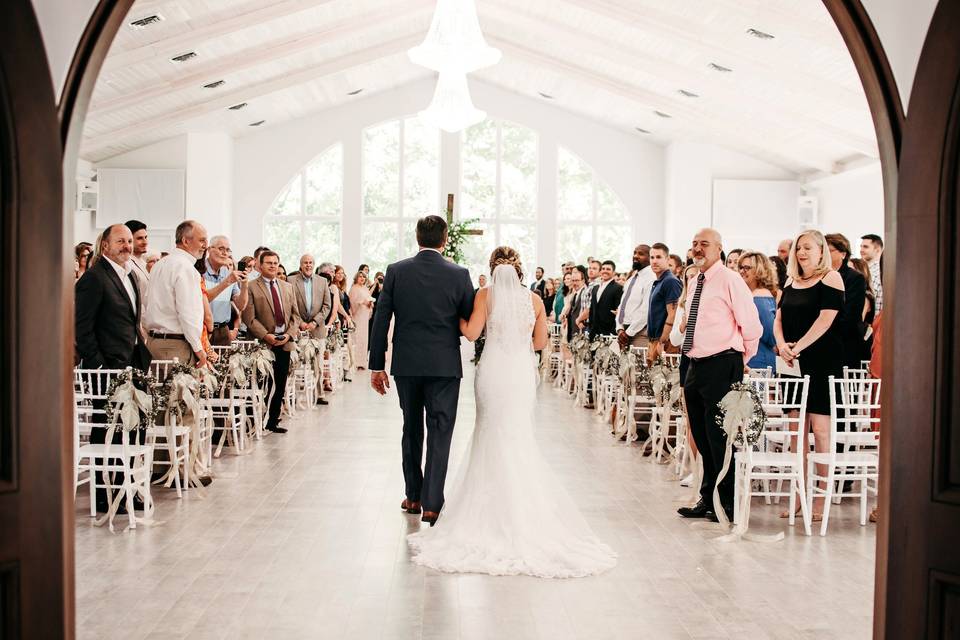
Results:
x,y
457,234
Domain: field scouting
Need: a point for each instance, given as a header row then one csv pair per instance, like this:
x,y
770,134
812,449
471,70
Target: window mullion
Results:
x,y
498,184
400,184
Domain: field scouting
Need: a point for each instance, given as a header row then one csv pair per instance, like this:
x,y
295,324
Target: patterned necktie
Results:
x,y
277,309
692,316
626,296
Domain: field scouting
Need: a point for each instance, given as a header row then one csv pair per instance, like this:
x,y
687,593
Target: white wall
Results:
x,y
61,23
210,180
850,203
266,160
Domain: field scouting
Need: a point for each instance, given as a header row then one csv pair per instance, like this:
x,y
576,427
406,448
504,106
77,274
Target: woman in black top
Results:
x,y
806,331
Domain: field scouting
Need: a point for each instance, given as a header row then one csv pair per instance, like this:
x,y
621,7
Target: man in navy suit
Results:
x,y
427,296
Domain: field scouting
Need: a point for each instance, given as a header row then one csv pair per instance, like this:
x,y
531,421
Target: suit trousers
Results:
x,y
437,398
640,339
168,349
281,370
707,381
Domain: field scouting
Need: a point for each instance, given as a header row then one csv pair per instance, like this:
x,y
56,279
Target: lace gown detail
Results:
x,y
506,513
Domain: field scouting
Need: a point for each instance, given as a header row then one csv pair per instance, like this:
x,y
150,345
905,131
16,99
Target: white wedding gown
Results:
x,y
505,512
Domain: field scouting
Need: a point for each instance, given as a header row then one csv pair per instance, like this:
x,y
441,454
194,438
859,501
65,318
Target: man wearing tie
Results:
x,y
632,313
271,316
604,300
539,285
313,305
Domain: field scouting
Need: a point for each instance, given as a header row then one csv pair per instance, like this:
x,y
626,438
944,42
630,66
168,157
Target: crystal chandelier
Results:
x,y
451,108
454,42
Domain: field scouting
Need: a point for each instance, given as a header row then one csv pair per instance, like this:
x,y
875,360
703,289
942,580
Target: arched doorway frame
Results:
x,y
888,116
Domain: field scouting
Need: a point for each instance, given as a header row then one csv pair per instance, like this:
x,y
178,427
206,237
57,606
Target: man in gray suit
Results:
x,y
313,303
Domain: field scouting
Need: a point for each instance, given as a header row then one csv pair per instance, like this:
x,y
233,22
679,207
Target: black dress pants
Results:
x,y
281,370
435,398
707,381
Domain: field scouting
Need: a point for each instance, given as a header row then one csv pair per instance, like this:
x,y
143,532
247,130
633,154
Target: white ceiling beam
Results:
x,y
251,92
665,24
782,114
253,14
644,97
770,17
258,55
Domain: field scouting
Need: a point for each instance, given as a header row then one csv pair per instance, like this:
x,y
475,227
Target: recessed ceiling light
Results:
x,y
546,95
215,84
146,21
642,130
662,114
762,35
183,57
719,67
689,94
237,107
354,92
257,123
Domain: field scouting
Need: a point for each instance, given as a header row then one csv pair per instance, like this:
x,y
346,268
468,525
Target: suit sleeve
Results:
x,y
383,311
466,300
321,317
250,319
293,327
89,294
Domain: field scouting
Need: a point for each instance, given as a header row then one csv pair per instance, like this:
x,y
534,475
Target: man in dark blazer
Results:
x,y
107,322
849,321
539,285
604,301
426,296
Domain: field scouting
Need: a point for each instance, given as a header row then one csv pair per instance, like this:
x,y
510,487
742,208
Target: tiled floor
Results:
x,y
303,538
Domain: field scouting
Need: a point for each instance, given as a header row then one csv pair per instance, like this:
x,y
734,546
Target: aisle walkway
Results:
x,y
303,538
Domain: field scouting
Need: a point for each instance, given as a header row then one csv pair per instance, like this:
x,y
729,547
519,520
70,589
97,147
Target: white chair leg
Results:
x,y
186,458
804,509
792,504
863,502
828,498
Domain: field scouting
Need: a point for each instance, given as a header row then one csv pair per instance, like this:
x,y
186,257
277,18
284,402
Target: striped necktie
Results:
x,y
692,316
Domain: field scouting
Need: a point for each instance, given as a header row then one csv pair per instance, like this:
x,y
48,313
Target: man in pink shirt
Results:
x,y
722,333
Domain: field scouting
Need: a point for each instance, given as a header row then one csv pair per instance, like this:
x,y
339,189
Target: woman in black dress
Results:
x,y
806,331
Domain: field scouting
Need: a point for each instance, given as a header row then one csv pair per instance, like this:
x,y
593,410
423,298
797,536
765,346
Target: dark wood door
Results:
x,y
922,498
36,521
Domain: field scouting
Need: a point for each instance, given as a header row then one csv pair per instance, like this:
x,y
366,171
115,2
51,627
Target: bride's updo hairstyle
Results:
x,y
506,255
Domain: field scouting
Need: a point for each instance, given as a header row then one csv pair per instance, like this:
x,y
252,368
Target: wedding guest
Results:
x,y
272,318
783,249
138,259
758,272
361,306
676,265
326,271
621,279
634,305
871,250
482,281
663,302
591,283
365,270
849,322
539,286
807,332
604,300
721,335
733,259
567,267
174,312
82,252
576,302
376,285
676,339
560,300
226,288
150,260
549,296
281,273
312,293
254,264
869,309
342,290
781,268
107,327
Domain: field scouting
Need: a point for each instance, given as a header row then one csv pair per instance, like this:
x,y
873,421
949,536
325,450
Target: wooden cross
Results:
x,y
468,232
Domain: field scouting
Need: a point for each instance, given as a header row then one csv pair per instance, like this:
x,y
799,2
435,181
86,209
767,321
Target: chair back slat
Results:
x,y
854,406
160,369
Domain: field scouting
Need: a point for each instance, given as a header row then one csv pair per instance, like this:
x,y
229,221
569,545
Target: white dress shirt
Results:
x,y
635,307
175,304
123,273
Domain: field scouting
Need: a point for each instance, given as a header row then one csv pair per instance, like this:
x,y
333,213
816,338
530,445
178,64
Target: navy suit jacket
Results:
x,y
427,296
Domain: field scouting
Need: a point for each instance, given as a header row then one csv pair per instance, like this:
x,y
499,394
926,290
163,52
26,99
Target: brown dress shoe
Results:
x,y
431,517
410,506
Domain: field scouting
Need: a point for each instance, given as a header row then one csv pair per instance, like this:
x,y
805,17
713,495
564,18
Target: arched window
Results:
x,y
499,186
591,220
305,217
401,183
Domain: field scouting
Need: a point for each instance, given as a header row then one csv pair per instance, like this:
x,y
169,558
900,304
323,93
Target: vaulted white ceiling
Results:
x,y
794,99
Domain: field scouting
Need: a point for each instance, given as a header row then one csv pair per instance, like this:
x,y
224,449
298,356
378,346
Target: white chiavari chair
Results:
x,y
172,436
854,412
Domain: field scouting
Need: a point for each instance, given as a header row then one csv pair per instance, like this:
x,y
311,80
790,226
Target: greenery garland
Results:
x,y
457,234
741,409
164,391
146,403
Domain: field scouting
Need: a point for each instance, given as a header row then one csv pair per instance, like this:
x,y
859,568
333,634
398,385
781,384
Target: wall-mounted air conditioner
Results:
x,y
807,215
88,196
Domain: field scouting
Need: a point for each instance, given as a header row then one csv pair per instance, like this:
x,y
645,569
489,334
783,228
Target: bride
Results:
x,y
506,513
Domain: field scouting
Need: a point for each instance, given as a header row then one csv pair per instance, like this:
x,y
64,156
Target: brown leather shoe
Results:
x,y
410,506
431,517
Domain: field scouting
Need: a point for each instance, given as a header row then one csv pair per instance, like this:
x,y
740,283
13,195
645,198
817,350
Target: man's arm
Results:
x,y
381,323
325,307
293,324
241,298
467,297
747,317
88,295
254,326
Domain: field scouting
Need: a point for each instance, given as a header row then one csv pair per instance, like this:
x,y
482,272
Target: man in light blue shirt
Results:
x,y
226,288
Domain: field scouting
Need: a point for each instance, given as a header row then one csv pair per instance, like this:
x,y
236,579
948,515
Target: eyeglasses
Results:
x,y
225,250
744,267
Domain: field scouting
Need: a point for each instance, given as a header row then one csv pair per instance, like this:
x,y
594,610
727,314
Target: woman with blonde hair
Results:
x,y
361,305
806,332
761,276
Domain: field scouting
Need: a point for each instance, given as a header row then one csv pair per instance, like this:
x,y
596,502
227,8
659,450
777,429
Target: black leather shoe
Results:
x,y
277,429
699,510
712,517
322,401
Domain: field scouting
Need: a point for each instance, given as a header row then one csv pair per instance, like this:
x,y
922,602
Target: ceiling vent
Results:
x,y
237,107
760,35
688,94
257,123
146,21
642,130
214,85
719,67
662,114
183,57
546,95
355,92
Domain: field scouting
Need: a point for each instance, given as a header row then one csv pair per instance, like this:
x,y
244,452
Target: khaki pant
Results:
x,y
220,337
640,340
168,349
